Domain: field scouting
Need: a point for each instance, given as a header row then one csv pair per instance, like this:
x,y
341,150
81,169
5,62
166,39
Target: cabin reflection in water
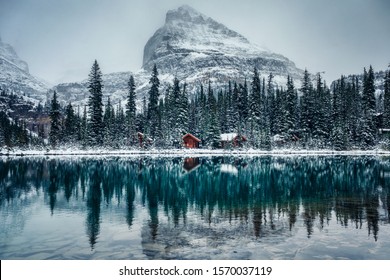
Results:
x,y
190,164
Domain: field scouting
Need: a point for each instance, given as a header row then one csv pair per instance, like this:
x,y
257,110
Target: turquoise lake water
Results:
x,y
297,207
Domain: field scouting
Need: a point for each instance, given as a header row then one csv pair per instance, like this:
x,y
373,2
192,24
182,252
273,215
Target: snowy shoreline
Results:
x,y
190,153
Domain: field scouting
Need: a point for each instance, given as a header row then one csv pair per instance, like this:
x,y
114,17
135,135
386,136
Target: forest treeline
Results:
x,y
345,115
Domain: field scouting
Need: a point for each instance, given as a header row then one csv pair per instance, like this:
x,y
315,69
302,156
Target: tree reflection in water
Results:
x,y
254,191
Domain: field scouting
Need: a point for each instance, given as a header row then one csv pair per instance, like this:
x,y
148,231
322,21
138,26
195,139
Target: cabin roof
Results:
x,y
192,136
230,136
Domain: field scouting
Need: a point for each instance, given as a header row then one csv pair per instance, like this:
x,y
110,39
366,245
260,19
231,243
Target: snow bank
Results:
x,y
186,152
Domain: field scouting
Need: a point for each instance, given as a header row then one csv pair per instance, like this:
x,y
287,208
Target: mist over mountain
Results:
x,y
14,75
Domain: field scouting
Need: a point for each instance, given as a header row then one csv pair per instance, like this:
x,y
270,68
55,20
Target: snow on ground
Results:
x,y
187,152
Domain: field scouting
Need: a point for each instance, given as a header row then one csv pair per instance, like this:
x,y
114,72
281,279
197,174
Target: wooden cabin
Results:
x,y
232,140
143,141
190,141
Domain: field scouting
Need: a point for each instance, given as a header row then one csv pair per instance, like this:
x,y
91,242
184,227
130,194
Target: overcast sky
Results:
x,y
60,39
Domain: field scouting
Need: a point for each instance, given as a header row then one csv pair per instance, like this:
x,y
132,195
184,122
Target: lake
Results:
x,y
266,207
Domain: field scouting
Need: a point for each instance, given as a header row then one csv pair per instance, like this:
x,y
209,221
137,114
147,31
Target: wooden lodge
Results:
x,y
143,141
232,140
190,141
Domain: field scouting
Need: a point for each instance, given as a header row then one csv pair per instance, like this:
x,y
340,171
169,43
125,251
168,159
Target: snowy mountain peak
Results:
x,y
195,47
8,53
184,13
15,76
186,17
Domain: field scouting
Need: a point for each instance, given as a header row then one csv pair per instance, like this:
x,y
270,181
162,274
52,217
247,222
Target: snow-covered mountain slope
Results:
x,y
194,48
379,78
14,75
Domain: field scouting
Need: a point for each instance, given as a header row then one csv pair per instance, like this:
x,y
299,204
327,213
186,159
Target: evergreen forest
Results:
x,y
349,114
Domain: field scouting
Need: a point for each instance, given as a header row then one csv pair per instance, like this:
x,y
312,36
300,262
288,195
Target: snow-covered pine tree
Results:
x,y
278,111
244,100
175,100
242,108
70,124
131,111
230,120
95,106
108,124
2,129
119,126
183,112
221,111
192,116
79,121
236,109
213,132
290,107
255,110
153,128
339,137
321,113
368,106
307,104
55,121
386,101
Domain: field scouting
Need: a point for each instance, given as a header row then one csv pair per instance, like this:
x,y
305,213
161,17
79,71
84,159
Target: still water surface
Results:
x,y
195,208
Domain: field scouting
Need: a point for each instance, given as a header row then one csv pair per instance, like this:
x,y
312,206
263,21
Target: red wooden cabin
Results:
x,y
190,141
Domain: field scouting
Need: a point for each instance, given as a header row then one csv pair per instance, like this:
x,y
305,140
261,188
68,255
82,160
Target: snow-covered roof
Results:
x,y
278,137
228,136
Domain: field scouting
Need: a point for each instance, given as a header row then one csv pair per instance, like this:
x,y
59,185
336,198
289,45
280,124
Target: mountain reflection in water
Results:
x,y
178,207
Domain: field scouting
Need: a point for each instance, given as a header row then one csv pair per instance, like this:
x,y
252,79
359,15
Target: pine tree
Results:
x,y
70,124
230,120
320,113
108,124
84,128
119,126
131,112
340,133
368,104
255,110
55,121
278,111
213,130
95,104
368,97
176,110
290,107
307,104
386,101
183,112
193,121
2,129
203,115
152,114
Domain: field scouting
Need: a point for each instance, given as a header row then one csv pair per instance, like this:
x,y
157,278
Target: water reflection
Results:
x,y
259,196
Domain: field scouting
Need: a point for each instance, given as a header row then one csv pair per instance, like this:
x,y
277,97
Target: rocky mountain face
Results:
x,y
194,48
15,76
